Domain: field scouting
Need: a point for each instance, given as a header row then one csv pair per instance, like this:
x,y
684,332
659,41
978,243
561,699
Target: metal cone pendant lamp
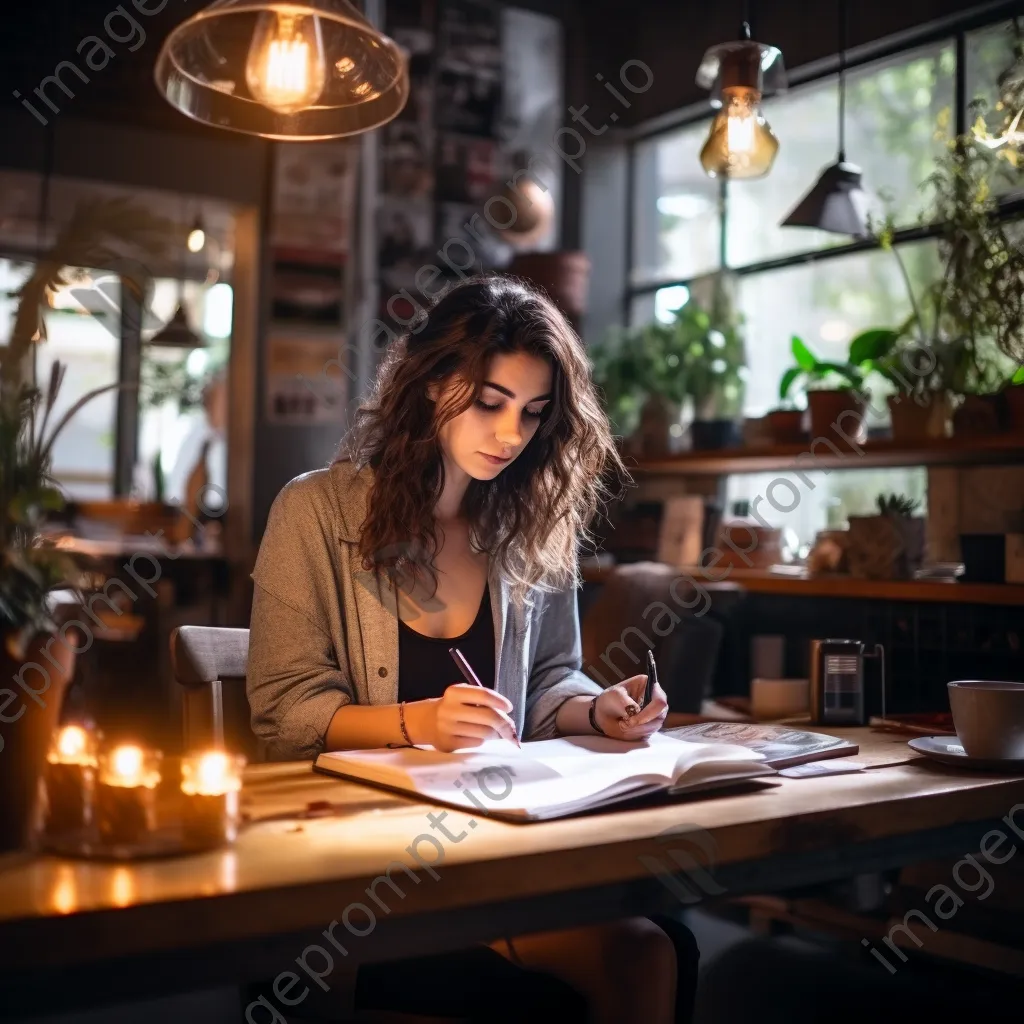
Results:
x,y
177,333
303,70
837,202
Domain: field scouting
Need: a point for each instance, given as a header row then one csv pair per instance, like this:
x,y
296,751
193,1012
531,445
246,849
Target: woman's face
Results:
x,y
492,432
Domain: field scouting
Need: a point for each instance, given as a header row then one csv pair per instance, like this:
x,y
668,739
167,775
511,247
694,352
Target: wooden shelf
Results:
x,y
997,448
764,582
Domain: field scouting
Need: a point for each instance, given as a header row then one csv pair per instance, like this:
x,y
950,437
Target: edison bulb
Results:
x,y
196,239
285,70
741,143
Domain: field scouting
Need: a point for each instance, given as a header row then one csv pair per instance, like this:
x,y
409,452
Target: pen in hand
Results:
x,y
652,679
473,679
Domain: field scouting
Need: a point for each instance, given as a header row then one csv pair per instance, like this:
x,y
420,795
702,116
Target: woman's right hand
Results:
x,y
465,716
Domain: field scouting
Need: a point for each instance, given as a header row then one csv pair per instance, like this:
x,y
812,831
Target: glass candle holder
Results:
x,y
126,785
210,784
70,777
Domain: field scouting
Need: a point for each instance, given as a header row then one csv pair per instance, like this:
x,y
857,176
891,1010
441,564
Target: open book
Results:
x,y
779,745
548,778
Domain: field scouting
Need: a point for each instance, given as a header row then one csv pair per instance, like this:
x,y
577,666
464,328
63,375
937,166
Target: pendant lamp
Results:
x,y
177,333
741,143
294,71
837,202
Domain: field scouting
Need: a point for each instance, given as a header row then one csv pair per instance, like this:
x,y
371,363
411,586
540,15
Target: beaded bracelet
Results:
x,y
401,722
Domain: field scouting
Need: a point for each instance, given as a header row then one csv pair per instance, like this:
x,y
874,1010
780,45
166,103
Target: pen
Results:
x,y
652,679
471,677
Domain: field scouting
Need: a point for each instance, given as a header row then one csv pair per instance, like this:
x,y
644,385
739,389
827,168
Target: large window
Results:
x,y
676,209
179,406
825,304
83,332
892,110
824,288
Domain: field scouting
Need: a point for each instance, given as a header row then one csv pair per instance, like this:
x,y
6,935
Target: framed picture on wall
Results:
x,y
469,68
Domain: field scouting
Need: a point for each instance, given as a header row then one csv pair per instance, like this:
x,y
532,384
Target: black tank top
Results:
x,y
426,669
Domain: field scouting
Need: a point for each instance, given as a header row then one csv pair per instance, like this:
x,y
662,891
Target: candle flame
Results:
x,y
211,774
126,761
122,887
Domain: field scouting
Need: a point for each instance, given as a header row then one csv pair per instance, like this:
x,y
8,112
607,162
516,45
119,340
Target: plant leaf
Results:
x,y
852,375
802,354
872,345
787,381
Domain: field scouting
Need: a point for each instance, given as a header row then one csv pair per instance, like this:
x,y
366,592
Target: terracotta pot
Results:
x,y
885,547
786,425
565,276
836,416
978,416
1015,407
920,417
653,437
38,682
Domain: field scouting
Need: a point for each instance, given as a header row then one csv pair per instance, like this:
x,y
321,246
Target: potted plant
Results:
x,y
640,374
966,333
36,654
714,366
833,390
922,378
888,545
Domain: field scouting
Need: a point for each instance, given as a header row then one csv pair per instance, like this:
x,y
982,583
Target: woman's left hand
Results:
x,y
612,709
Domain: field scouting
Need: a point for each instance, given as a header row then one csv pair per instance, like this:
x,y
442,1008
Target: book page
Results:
x,y
567,772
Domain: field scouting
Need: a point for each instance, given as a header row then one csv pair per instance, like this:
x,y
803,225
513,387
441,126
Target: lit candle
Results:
x,y
70,774
126,793
210,784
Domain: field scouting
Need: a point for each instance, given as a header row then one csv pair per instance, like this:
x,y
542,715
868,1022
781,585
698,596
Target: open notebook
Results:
x,y
548,778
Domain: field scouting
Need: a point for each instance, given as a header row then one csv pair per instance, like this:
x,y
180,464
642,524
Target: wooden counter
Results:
x,y
762,581
247,912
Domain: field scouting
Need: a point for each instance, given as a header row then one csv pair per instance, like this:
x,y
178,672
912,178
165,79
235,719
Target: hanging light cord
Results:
x,y
842,81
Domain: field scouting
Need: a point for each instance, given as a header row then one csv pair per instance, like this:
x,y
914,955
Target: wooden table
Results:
x,y
248,912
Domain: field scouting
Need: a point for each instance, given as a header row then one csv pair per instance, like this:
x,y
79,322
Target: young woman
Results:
x,y
453,516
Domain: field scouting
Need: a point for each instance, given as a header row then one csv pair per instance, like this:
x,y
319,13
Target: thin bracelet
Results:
x,y
401,722
593,719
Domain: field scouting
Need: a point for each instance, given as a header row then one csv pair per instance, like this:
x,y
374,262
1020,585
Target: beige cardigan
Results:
x,y
324,632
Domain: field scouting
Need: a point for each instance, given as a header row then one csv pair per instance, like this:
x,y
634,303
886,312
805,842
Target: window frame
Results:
x,y
954,29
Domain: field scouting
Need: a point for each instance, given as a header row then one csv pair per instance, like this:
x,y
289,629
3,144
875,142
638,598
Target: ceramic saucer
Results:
x,y
947,750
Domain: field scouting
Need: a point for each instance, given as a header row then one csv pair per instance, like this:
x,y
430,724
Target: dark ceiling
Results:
x,y
39,34
669,35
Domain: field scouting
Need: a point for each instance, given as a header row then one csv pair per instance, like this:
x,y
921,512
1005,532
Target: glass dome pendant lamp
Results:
x,y
291,70
741,143
837,202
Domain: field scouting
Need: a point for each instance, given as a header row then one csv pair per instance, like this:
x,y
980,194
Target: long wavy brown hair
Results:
x,y
534,516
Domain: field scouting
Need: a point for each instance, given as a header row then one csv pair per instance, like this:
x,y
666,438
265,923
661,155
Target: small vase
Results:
x,y
709,435
39,681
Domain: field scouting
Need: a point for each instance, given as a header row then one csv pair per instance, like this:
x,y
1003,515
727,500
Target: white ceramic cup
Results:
x,y
779,698
988,716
